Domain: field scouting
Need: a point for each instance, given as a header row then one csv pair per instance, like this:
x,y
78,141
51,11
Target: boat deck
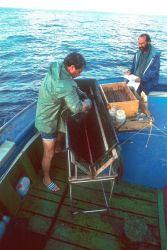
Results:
x,y
45,221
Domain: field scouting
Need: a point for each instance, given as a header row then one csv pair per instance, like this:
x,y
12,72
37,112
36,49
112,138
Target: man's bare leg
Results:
x,y
49,151
59,144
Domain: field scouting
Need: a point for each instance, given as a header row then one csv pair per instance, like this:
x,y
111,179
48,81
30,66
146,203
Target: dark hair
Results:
x,y
148,39
75,59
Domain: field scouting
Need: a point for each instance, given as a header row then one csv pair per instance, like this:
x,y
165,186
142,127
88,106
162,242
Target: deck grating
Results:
x,y
47,219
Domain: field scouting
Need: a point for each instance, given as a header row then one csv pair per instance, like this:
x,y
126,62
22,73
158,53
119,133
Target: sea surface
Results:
x,y
31,39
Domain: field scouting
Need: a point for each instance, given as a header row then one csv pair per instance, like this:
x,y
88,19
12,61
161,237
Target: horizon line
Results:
x,y
91,11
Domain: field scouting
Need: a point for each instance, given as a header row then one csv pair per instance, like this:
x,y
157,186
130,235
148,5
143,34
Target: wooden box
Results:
x,y
119,95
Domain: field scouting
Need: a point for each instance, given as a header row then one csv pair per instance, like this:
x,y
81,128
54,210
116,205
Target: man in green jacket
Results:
x,y
58,93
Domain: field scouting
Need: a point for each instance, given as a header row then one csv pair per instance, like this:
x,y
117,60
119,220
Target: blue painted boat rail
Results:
x,y
161,86
18,125
111,80
19,130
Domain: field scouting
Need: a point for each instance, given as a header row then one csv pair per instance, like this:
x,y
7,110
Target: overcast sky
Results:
x,y
149,7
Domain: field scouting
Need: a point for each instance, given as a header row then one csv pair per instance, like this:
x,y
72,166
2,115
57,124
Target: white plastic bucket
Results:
x,y
120,116
23,186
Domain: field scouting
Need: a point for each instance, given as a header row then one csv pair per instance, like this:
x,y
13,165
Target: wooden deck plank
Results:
x,y
6,191
106,223
44,194
36,223
99,222
94,197
84,237
53,244
116,212
162,225
41,206
126,189
143,204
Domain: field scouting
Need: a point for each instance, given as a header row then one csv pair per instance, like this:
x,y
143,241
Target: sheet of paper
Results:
x,y
131,77
132,82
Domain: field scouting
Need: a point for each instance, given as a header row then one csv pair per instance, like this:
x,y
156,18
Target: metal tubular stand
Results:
x,y
79,173
74,179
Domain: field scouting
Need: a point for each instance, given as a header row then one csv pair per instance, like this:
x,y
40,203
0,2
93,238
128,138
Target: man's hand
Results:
x,y
87,104
128,72
81,94
138,79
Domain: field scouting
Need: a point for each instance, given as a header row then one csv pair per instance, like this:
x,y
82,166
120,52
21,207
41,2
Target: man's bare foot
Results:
x,y
50,185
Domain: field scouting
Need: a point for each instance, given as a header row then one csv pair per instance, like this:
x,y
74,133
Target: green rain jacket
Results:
x,y
57,93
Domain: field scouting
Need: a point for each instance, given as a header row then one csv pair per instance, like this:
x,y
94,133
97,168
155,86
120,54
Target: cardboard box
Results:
x,y
119,95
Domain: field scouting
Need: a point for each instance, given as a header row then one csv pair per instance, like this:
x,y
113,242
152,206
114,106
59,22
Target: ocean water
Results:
x,y
31,39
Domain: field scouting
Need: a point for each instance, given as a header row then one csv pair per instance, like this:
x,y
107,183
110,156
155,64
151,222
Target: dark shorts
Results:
x,y
48,136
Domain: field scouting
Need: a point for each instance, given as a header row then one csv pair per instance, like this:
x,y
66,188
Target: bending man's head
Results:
x,y
74,63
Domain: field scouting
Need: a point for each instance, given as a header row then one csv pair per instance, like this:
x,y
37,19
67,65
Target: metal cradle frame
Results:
x,y
101,171
78,174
